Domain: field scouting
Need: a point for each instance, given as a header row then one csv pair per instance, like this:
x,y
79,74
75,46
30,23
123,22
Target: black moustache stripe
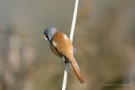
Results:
x,y
48,38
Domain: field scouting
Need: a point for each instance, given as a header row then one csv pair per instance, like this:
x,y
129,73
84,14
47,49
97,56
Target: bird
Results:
x,y
62,46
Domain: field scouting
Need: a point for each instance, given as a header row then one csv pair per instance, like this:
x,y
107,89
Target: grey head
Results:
x,y
49,33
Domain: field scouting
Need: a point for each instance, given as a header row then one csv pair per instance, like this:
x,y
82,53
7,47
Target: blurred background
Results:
x,y
104,39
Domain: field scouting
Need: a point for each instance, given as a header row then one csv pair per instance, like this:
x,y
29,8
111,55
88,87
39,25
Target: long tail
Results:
x,y
77,71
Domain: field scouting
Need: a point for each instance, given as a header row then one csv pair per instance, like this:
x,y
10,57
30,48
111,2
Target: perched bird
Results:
x,y
61,45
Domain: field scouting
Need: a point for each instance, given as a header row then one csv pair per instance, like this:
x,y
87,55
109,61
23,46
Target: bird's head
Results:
x,y
49,33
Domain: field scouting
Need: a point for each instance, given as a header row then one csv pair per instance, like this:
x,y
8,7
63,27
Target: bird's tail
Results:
x,y
77,71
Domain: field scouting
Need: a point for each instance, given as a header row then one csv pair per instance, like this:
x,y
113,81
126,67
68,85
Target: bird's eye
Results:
x,y
47,36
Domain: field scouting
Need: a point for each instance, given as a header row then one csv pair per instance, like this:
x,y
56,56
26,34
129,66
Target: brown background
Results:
x,y
104,39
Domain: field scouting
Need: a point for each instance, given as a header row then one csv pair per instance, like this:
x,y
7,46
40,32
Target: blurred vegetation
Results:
x,y
104,39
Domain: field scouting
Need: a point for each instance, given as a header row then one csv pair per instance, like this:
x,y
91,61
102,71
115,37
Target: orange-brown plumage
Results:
x,y
55,50
64,47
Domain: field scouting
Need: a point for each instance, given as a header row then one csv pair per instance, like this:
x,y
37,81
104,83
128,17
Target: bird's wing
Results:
x,y
55,50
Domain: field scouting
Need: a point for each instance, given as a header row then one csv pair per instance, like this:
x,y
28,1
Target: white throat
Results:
x,y
46,39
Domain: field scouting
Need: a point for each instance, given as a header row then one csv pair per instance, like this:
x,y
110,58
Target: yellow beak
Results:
x,y
43,36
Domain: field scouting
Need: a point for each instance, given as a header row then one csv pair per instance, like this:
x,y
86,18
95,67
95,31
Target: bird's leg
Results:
x,y
74,50
64,60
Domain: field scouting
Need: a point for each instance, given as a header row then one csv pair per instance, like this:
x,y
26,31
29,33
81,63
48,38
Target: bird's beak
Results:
x,y
43,36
